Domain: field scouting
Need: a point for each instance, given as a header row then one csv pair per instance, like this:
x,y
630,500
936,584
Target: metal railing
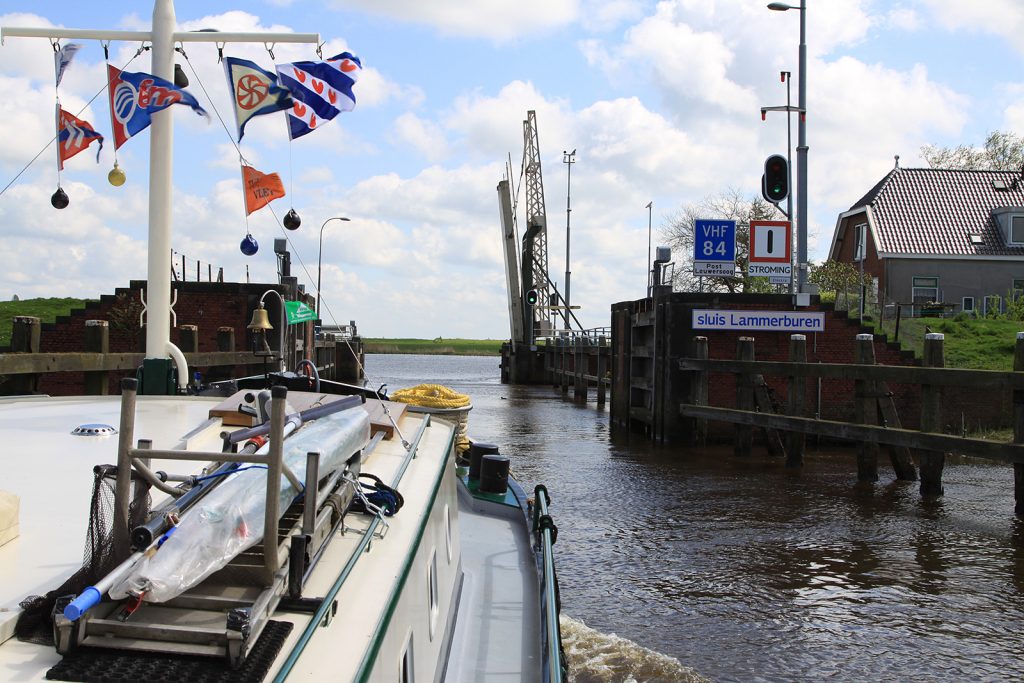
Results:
x,y
555,668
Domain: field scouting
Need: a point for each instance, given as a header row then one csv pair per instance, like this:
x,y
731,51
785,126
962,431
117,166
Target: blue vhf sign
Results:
x,y
714,247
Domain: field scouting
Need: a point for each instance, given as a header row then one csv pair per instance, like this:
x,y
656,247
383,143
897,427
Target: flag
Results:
x,y
255,91
63,57
260,188
134,97
321,90
298,312
74,135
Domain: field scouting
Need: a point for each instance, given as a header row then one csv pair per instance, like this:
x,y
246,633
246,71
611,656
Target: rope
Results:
x,y
431,396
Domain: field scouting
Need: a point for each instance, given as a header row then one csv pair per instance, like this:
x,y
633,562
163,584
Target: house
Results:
x,y
930,235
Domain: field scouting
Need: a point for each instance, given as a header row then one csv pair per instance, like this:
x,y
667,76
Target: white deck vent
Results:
x,y
94,429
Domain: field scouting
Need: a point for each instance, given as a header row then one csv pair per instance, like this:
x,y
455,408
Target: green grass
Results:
x,y
46,310
980,344
442,346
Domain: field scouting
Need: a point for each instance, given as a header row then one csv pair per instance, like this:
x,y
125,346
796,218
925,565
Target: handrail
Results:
x,y
555,666
327,603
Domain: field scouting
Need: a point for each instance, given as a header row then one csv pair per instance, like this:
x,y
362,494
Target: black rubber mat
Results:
x,y
94,665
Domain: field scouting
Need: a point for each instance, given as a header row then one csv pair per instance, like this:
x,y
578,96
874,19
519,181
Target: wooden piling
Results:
x,y
602,368
699,391
866,410
932,462
225,338
97,340
24,339
188,338
796,394
1018,428
580,358
744,395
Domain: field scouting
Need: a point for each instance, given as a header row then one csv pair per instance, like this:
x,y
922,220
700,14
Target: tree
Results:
x,y
1002,152
839,277
730,205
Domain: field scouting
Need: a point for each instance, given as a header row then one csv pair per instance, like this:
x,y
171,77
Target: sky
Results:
x,y
660,100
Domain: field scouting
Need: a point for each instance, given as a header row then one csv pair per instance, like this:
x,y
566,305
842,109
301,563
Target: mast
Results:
x,y
535,240
158,371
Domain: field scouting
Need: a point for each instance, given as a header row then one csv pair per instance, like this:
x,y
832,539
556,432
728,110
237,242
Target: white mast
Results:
x,y
163,37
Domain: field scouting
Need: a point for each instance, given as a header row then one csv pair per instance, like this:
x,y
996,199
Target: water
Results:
x,y
673,562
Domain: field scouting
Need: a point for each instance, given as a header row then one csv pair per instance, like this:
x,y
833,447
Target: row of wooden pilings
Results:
x,y
338,359
579,361
875,419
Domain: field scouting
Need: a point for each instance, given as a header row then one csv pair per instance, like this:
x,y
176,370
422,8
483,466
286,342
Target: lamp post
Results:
x,y
568,158
319,258
801,145
649,205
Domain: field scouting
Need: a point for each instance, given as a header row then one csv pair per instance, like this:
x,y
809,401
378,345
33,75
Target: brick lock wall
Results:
x,y
207,305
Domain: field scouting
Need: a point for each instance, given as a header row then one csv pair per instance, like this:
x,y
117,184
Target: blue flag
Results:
x,y
134,97
255,91
322,90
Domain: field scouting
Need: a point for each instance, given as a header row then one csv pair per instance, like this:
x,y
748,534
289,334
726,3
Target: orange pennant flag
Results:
x,y
260,188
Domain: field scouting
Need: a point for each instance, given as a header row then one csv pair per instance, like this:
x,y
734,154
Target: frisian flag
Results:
x,y
135,97
73,136
260,188
321,90
254,91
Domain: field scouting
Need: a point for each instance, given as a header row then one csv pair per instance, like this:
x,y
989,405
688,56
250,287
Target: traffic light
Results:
x,y
775,183
531,297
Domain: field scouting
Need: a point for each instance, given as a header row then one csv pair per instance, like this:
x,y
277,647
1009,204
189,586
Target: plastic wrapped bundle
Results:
x,y
230,518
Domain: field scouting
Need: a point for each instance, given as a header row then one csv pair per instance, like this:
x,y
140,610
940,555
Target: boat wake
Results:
x,y
596,657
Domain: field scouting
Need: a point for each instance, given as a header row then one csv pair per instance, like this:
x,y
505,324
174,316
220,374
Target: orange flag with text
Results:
x,y
260,188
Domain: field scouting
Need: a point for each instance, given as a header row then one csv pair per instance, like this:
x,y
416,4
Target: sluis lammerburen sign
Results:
x,y
770,321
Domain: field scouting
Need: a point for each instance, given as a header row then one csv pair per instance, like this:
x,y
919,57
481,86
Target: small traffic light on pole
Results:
x,y
531,297
775,182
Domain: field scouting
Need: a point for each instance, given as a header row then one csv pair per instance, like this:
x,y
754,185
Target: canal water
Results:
x,y
683,565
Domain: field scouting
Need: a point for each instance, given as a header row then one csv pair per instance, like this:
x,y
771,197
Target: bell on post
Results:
x,y
260,320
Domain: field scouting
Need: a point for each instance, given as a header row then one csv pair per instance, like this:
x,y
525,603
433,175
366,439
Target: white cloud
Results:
x,y
423,135
494,19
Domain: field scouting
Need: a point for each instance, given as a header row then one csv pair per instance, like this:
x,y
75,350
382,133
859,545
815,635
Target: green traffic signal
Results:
x,y
531,297
776,178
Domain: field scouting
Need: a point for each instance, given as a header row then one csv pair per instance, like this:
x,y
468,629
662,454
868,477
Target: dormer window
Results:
x,y
1010,220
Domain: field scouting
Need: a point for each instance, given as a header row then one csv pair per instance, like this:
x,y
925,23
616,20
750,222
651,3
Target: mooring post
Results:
x,y
602,365
932,462
564,381
97,340
699,390
581,358
796,394
1018,428
744,395
866,410
25,331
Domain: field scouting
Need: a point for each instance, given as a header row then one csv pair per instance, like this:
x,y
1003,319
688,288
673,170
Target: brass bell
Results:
x,y
260,320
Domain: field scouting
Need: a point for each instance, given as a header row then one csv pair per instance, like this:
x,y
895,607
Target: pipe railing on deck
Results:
x,y
555,667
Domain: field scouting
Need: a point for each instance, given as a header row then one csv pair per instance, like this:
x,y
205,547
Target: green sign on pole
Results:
x,y
298,312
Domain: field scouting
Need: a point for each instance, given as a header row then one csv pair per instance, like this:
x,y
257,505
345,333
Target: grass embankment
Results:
x,y
46,310
439,346
980,344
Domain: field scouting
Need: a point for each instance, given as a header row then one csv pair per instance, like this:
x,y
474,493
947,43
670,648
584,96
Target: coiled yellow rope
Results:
x,y
431,396
439,396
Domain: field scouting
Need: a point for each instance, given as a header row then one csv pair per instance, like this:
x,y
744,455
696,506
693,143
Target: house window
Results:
x,y
968,305
925,290
860,246
1017,289
1017,229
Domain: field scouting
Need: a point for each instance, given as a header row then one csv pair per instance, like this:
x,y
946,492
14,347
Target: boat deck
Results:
x,y
497,633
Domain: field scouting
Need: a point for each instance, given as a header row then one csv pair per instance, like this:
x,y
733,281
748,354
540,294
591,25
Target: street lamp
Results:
x,y
568,158
319,258
649,205
801,146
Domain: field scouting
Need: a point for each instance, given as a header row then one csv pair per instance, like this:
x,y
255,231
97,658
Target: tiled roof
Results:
x,y
935,211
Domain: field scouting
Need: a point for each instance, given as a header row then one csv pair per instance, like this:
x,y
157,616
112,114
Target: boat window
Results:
x,y
405,674
448,531
432,588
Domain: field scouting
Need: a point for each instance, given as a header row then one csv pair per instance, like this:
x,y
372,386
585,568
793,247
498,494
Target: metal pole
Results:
x,y
319,259
649,205
569,158
788,77
801,156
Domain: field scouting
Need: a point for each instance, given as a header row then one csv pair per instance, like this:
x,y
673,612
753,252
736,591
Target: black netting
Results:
x,y
102,553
